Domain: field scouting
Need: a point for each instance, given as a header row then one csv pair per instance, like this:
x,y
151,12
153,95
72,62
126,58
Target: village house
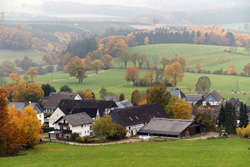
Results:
x,y
235,103
35,106
55,98
172,128
75,123
192,99
178,93
134,118
94,108
214,99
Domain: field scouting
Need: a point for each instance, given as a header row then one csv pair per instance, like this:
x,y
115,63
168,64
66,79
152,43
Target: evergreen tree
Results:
x,y
121,97
230,123
243,115
222,117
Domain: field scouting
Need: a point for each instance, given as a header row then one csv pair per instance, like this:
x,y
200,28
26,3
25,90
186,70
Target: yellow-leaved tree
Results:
x,y
174,73
32,72
30,127
182,110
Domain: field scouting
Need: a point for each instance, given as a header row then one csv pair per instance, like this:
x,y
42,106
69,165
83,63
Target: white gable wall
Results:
x,y
132,130
55,116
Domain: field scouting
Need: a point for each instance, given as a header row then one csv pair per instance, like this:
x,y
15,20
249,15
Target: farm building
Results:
x,y
172,128
134,118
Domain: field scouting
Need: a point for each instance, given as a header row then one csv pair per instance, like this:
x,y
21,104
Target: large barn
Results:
x,y
172,128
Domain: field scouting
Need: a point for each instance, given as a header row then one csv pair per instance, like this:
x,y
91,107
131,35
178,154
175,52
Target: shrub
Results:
x,y
75,137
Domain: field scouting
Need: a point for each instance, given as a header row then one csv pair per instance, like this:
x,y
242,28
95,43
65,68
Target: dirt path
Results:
x,y
205,136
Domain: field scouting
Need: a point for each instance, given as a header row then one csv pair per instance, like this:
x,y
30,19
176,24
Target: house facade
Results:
x,y
213,98
76,123
36,107
135,117
94,108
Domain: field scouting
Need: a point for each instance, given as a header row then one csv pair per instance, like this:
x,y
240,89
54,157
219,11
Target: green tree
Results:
x,y
77,70
121,97
103,92
158,94
141,60
125,57
222,117
105,129
205,119
164,61
65,88
243,115
133,58
230,123
135,97
47,89
203,84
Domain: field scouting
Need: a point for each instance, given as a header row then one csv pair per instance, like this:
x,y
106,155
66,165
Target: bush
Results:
x,y
75,137
244,132
47,129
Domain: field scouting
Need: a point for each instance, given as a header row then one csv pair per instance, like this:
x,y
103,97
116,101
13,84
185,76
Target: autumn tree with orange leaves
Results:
x,y
132,74
182,110
231,69
15,77
25,93
174,73
8,139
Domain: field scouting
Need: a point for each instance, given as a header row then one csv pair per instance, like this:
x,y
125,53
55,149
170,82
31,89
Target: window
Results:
x,y
136,117
81,126
130,118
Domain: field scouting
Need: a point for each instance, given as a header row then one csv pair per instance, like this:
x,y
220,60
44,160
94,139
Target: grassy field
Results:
x,y
113,80
210,57
12,55
218,152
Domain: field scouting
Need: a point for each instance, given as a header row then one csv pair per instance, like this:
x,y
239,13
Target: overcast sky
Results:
x,y
15,5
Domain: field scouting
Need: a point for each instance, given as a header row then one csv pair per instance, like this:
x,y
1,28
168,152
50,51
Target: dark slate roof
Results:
x,y
177,92
77,119
165,126
233,101
56,97
124,104
213,112
88,106
137,114
193,98
216,95
22,106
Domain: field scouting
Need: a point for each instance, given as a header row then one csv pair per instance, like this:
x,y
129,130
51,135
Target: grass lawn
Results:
x,y
210,57
217,152
11,55
112,80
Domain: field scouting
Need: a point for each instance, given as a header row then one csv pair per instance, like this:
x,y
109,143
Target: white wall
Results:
x,y
83,130
55,116
41,118
134,129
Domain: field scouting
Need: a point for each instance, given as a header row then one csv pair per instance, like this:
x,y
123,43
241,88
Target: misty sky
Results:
x,y
185,5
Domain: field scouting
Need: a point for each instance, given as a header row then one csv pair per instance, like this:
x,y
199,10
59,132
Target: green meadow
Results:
x,y
201,153
12,55
114,81
209,57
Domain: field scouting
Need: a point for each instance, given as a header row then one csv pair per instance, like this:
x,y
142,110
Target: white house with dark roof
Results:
x,y
94,108
213,98
36,107
75,123
192,99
